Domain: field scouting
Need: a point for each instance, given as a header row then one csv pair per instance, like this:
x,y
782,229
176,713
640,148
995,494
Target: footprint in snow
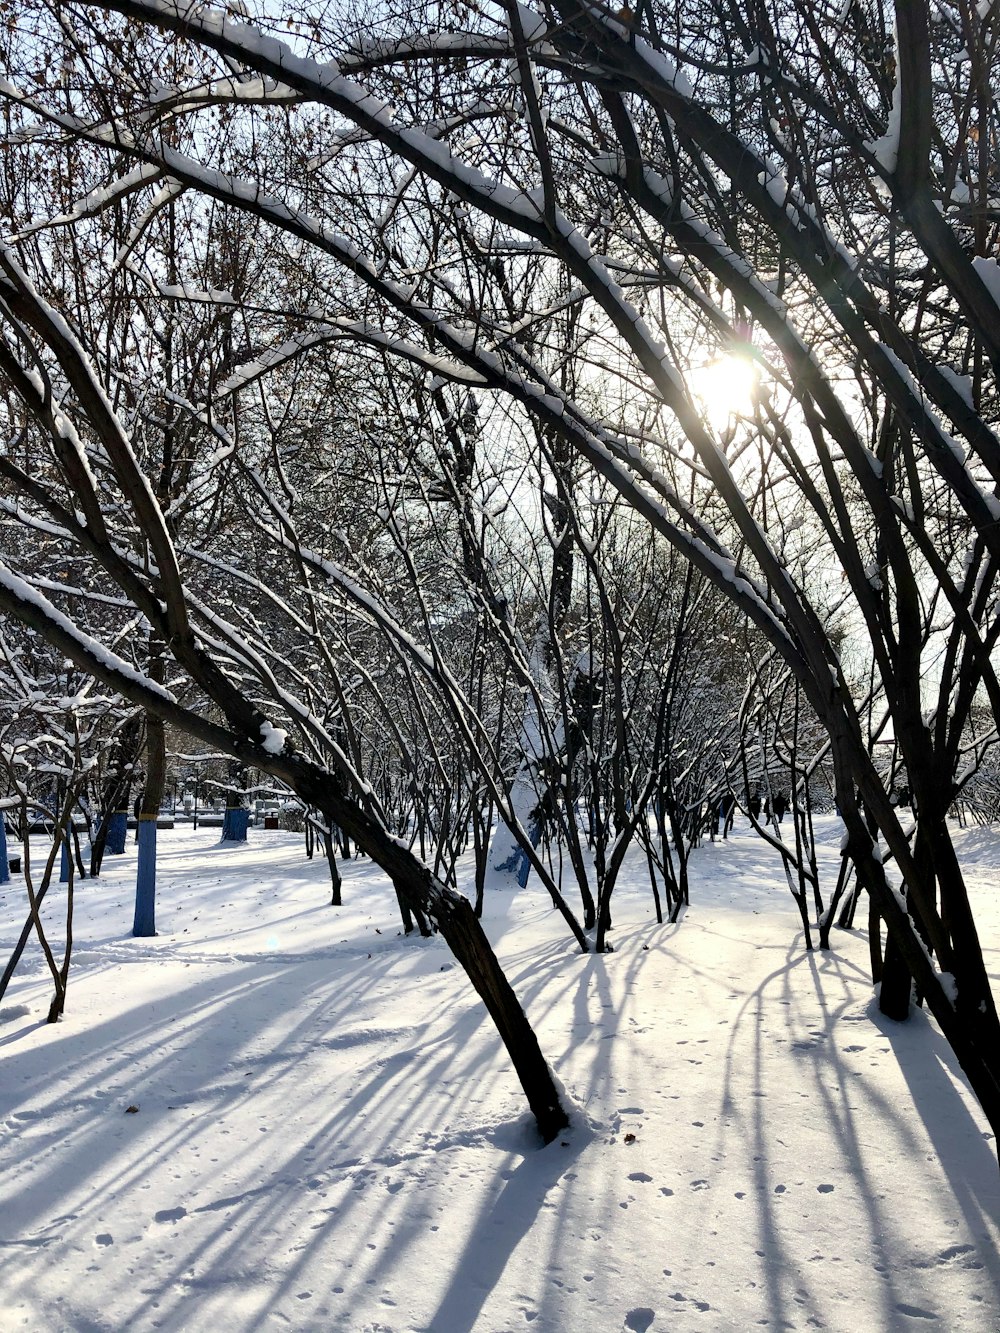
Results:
x,y
959,1252
639,1175
639,1319
915,1312
170,1215
104,1238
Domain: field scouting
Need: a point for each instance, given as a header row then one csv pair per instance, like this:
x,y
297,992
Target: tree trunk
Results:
x,y
112,828
455,919
329,847
236,819
896,985
144,921
470,946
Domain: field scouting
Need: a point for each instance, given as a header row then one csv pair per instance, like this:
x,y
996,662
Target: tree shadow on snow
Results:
x,y
967,1154
815,1051
502,1226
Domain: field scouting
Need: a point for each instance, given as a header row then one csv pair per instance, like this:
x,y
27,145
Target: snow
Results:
x,y
273,738
98,653
885,150
988,272
326,1135
532,25
97,200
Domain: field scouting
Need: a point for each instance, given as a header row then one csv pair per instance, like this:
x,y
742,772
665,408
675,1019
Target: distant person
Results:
x,y
753,805
780,806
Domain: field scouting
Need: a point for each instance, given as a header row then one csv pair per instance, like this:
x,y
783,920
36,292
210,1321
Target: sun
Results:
x,y
725,386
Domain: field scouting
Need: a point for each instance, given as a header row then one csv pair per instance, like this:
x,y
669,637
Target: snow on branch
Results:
x,y
26,603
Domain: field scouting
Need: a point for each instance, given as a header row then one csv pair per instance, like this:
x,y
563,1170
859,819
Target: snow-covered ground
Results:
x,y
328,1137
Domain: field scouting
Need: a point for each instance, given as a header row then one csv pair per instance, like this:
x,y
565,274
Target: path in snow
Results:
x,y
327,1137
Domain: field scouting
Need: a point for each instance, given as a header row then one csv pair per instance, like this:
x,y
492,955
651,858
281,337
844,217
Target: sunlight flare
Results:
x,y
725,386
